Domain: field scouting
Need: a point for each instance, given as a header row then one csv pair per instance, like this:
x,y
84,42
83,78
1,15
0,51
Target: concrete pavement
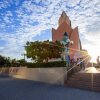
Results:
x,y
19,89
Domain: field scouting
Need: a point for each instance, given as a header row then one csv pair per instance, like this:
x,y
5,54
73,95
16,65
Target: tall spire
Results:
x,y
63,14
64,18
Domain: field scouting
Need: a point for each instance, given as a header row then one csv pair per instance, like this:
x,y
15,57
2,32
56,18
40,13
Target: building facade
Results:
x,y
64,26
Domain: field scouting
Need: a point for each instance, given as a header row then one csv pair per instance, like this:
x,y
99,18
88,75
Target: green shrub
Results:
x,y
46,65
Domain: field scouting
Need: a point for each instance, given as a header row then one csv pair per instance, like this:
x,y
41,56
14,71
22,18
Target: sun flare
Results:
x,y
94,53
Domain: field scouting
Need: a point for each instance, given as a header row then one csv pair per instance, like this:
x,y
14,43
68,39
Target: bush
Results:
x,y
46,65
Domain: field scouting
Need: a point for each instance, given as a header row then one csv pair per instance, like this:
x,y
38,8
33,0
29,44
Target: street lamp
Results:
x,y
24,54
66,41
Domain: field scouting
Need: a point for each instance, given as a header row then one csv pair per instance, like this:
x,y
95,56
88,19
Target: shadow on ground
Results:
x,y
19,89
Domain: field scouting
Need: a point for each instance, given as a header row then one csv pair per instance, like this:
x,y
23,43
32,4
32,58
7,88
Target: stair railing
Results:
x,y
66,71
71,69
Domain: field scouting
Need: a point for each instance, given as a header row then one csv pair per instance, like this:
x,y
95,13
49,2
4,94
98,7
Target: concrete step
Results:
x,y
84,86
84,83
80,86
87,73
80,83
96,89
87,81
82,75
80,79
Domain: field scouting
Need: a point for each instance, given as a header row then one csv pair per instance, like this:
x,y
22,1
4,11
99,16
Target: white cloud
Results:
x,y
72,3
83,13
3,5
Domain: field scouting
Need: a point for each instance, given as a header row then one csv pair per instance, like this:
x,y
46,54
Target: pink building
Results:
x,y
65,26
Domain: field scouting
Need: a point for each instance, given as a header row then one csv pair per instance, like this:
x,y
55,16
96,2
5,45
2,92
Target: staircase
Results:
x,y
87,81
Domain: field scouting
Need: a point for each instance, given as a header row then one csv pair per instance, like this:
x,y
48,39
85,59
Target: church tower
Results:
x,y
64,18
64,25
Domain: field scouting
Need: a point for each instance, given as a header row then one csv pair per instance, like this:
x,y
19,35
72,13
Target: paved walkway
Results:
x,y
18,89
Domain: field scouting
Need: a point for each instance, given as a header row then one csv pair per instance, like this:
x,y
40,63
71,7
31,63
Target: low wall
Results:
x,y
48,75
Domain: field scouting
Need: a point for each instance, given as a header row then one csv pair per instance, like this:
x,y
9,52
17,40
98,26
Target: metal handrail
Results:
x,y
78,63
75,66
66,71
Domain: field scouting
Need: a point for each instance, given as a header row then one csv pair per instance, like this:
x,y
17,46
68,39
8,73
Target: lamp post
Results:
x,y
66,41
24,54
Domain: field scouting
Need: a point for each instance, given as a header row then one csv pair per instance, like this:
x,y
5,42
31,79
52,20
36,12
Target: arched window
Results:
x,y
65,34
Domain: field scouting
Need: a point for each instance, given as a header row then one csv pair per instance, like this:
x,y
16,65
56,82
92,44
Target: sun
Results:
x,y
93,55
93,59
93,51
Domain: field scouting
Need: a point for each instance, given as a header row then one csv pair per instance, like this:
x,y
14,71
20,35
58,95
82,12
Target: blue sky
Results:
x,y
30,20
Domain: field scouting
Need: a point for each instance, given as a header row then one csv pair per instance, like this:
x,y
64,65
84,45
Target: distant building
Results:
x,y
65,27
